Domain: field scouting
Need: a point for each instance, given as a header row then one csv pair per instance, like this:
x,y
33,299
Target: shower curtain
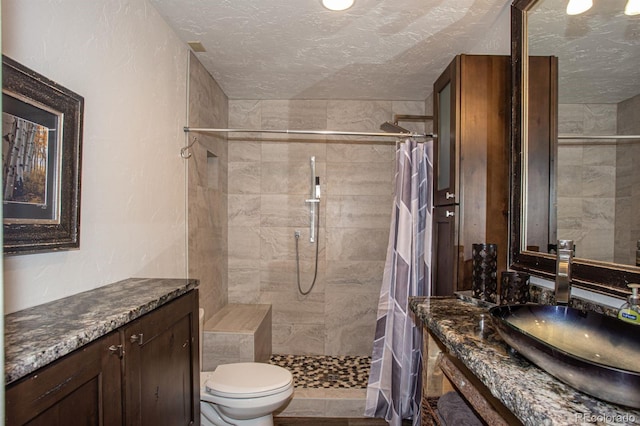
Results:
x,y
394,389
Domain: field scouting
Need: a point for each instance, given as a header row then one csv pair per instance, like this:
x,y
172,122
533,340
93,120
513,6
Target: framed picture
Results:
x,y
41,162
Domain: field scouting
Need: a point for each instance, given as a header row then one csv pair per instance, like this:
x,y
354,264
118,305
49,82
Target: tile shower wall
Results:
x,y
586,180
599,183
207,193
268,182
628,178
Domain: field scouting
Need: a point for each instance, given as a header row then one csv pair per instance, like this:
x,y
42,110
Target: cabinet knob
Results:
x,y
137,338
449,195
117,350
449,213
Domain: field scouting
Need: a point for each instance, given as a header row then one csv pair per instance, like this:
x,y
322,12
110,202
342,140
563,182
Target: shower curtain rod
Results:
x,y
569,137
312,132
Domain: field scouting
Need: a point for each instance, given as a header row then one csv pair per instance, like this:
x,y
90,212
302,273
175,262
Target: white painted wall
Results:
x,y
131,69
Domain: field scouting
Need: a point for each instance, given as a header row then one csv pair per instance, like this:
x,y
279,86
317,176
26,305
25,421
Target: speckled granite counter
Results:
x,y
532,395
37,336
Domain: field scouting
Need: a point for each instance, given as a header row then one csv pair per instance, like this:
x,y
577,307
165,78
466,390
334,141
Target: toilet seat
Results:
x,y
247,380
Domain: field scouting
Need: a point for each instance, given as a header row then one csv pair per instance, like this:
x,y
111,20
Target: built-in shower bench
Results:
x,y
237,333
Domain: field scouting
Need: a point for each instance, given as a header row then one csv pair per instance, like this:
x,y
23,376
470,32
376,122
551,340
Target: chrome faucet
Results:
x,y
564,259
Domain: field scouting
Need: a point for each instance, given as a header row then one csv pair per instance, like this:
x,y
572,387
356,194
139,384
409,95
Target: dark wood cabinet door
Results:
x,y
82,388
161,366
446,128
444,262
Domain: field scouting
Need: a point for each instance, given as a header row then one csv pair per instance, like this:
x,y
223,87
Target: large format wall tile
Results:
x,y
244,281
351,321
244,243
244,178
597,181
355,211
243,147
298,339
359,276
359,179
244,210
288,148
359,211
294,114
357,244
207,190
245,114
284,210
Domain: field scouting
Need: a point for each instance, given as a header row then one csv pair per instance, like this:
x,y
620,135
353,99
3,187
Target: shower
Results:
x,y
267,176
314,227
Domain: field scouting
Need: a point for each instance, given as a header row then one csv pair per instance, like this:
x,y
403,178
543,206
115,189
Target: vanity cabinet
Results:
x,y
161,370
471,121
144,373
84,385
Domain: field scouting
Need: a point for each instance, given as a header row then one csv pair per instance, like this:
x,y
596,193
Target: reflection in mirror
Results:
x,y
597,179
583,182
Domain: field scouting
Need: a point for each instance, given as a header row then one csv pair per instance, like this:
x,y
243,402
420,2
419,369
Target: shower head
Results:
x,y
393,128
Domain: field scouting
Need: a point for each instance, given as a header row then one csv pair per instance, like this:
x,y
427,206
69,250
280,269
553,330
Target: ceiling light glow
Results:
x,y
632,8
576,7
337,4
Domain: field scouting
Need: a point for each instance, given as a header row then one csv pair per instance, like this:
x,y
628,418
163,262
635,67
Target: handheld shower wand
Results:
x,y
314,219
314,200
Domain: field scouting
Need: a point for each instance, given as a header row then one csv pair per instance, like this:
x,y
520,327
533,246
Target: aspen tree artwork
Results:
x,y
24,154
25,161
41,162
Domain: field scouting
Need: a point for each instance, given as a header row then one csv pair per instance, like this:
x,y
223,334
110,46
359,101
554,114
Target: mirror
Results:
x,y
542,28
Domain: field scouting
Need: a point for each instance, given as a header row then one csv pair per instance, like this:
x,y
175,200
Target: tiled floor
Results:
x,y
324,371
329,391
326,386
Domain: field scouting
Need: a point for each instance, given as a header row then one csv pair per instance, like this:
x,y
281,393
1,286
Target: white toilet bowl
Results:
x,y
243,394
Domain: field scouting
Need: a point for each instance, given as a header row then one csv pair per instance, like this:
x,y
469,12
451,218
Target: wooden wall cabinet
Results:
x,y
145,373
471,121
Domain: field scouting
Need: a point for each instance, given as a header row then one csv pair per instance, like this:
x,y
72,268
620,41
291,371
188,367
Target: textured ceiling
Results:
x,y
395,49
286,49
598,51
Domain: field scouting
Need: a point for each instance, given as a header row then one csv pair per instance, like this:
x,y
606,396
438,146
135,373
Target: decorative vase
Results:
x,y
514,288
484,271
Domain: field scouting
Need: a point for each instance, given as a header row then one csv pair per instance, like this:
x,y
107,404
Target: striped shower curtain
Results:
x,y
394,389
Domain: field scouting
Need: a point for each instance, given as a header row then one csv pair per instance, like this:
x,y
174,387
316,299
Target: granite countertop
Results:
x,y
531,394
37,336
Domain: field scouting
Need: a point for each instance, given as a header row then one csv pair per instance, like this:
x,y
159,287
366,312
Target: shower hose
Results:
x,y
315,273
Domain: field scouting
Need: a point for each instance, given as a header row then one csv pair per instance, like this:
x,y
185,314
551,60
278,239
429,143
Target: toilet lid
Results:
x,y
247,379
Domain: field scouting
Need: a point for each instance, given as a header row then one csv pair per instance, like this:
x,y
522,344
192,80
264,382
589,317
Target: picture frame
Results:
x,y
42,124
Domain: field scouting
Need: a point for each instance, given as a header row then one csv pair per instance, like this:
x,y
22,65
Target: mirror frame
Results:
x,y
601,277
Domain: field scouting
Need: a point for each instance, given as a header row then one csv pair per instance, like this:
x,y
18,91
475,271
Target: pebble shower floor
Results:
x,y
326,372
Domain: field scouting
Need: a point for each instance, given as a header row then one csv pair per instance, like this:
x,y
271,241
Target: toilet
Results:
x,y
243,394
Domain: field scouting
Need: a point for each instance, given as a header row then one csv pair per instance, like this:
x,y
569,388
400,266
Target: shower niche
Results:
x,y
471,181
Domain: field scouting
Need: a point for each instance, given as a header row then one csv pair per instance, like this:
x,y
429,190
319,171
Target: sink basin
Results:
x,y
591,352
